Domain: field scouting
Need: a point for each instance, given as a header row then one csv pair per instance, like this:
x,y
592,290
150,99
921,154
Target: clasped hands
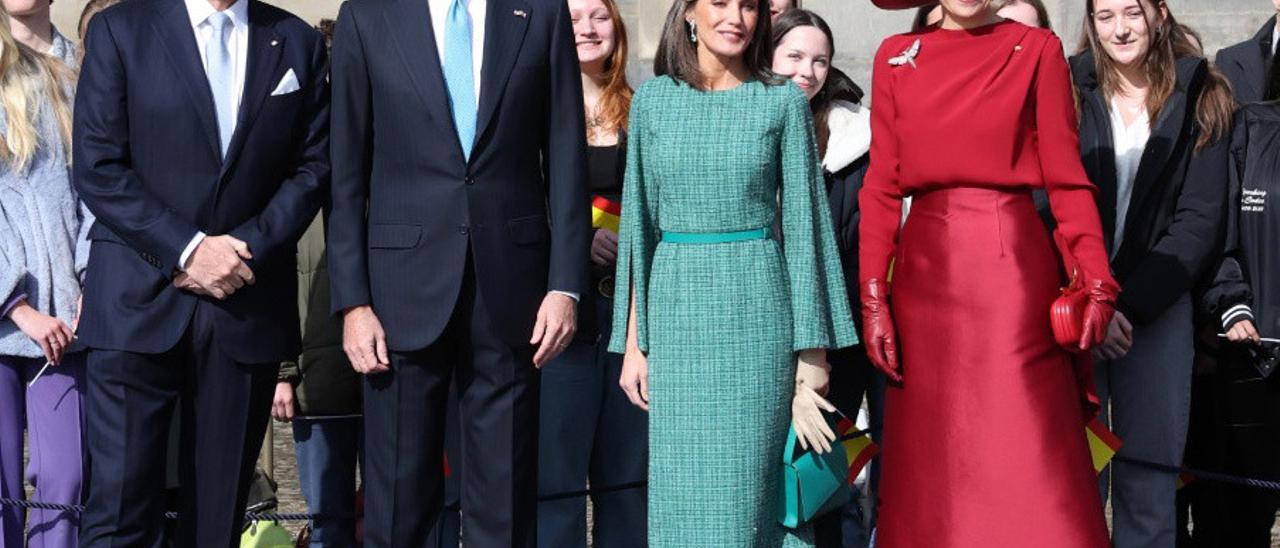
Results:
x,y
216,268
365,342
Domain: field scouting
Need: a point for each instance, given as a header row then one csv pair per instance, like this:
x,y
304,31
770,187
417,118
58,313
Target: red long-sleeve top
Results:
x,y
989,107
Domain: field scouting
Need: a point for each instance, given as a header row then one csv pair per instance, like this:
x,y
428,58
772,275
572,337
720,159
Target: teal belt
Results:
x,y
715,237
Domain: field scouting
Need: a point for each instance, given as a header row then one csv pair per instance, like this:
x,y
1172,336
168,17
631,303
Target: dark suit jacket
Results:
x,y
1246,64
409,210
148,164
1176,221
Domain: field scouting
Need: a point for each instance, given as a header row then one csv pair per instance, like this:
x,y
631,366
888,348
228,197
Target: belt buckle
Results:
x,y
605,287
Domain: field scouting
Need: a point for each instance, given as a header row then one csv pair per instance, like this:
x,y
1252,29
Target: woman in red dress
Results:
x,y
984,441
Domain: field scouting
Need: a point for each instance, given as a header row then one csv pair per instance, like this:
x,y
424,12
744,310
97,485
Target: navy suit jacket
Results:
x,y
409,210
149,165
1246,64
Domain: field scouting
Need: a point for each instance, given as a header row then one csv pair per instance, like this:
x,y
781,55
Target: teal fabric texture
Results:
x,y
721,323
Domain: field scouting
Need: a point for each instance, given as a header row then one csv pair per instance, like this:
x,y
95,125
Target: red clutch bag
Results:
x,y
1066,314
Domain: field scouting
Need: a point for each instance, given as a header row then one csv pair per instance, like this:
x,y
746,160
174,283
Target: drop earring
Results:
x,y
693,31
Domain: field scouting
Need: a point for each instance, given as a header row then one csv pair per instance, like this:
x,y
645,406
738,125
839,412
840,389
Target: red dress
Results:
x,y
984,441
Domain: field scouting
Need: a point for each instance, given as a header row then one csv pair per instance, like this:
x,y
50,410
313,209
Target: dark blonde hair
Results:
x,y
1169,42
27,78
678,57
615,100
91,9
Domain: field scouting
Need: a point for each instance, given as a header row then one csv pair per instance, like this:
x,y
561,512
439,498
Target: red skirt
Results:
x,y
984,442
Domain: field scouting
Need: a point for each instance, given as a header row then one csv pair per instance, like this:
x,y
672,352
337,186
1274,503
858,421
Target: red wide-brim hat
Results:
x,y
902,4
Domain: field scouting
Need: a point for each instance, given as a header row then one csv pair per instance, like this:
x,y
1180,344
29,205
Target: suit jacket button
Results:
x,y
463,229
469,180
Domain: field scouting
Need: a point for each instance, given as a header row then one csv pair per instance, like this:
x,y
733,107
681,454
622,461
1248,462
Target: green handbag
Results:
x,y
812,484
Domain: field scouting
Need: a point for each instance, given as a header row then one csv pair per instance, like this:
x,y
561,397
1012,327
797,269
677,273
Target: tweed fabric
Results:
x,y
721,323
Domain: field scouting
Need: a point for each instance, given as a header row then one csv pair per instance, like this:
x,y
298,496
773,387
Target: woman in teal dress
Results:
x,y
729,322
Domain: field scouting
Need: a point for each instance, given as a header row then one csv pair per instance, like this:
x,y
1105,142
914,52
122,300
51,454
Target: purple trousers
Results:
x,y
50,411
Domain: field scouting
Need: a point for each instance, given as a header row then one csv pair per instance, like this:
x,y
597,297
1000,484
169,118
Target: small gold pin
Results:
x,y
521,14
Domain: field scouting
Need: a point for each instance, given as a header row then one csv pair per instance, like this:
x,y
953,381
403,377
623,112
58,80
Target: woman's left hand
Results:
x,y
813,375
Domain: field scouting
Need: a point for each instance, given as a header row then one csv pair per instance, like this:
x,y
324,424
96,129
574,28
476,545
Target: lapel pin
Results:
x,y
521,14
275,43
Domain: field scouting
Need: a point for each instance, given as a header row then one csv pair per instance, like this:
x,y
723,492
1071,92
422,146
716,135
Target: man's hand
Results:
x,y
217,266
364,341
1119,339
557,322
282,404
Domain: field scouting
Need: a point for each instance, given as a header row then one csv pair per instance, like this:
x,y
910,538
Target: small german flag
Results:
x,y
605,213
859,450
1103,444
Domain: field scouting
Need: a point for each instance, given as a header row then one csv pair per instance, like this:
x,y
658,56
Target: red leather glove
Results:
x,y
1098,312
877,328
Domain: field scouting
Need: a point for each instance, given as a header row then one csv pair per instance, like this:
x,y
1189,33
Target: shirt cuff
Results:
x,y
1236,314
568,294
191,248
12,303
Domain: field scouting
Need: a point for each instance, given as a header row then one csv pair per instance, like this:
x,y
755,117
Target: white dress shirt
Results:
x,y
198,12
477,9
1130,143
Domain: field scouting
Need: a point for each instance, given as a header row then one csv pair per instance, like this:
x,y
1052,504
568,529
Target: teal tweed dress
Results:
x,y
721,323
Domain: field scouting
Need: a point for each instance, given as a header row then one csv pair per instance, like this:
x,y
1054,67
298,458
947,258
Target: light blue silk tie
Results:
x,y
458,75
221,74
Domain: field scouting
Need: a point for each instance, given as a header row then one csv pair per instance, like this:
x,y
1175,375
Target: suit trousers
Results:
x,y
1146,395
405,419
131,399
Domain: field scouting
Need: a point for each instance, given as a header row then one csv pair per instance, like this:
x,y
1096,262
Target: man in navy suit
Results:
x,y
458,246
201,144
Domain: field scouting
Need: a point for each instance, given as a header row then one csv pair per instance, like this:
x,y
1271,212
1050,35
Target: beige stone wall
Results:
x,y
859,26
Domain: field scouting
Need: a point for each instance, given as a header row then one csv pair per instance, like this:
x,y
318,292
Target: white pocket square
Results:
x,y
288,84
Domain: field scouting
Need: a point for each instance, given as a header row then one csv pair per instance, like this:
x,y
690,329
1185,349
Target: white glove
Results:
x,y
812,374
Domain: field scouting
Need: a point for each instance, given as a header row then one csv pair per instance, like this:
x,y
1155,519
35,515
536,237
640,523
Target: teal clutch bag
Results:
x,y
812,484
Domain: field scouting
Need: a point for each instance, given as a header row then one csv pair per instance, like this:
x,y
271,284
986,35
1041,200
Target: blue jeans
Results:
x,y
328,454
590,433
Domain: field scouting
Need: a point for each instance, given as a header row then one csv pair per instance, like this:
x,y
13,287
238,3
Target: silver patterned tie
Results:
x,y
221,74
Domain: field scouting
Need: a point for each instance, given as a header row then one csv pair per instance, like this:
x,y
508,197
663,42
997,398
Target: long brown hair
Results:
x,y
1169,42
678,57
28,78
615,100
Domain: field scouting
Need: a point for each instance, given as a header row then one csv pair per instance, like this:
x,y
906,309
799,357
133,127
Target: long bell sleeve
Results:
x,y
819,301
638,235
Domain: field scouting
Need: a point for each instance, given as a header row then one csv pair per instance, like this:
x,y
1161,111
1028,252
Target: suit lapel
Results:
x,y
410,24
505,25
265,50
1254,66
174,27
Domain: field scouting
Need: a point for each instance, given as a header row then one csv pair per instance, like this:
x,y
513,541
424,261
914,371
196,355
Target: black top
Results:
x,y
604,171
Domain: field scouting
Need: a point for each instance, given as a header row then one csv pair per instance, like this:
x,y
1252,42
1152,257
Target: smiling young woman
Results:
x,y
1155,120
